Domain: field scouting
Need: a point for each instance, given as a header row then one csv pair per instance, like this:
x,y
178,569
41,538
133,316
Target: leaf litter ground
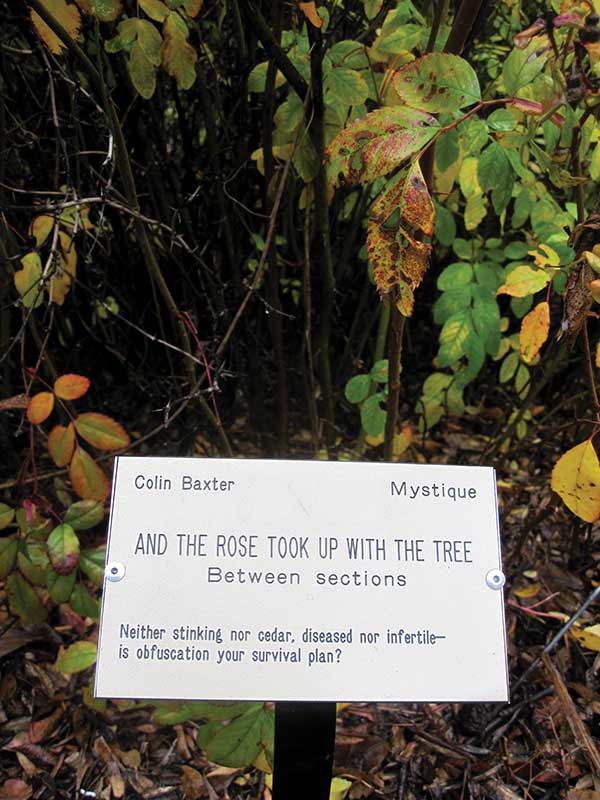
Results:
x,y
57,742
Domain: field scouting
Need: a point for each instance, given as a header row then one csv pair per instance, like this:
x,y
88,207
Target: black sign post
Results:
x,y
304,744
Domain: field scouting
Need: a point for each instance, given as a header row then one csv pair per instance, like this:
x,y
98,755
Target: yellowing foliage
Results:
x,y
65,14
576,478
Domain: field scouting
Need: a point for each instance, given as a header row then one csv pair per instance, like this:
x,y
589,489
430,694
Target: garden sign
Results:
x,y
297,581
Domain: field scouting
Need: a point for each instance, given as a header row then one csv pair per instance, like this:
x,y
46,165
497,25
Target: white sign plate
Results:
x,y
302,580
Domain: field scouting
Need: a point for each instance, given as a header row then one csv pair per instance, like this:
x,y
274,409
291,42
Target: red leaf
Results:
x,y
310,12
101,431
88,480
61,443
71,387
40,407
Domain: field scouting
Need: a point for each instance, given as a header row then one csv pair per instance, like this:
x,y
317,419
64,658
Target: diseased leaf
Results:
x,y
77,657
589,637
84,514
67,15
24,601
63,549
71,387
534,332
91,563
523,281
178,56
88,480
61,444
438,82
28,281
378,143
40,407
101,431
576,478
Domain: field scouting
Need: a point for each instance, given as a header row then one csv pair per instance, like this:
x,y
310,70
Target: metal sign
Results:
x,y
297,580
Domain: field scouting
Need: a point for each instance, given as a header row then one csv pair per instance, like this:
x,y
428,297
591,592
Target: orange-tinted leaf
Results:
x,y
40,407
67,15
595,289
71,386
576,478
101,431
310,12
534,331
61,443
88,480
523,281
42,728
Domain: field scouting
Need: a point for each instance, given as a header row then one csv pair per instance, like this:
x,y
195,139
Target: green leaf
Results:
x,y
106,10
241,742
516,250
7,514
453,337
59,586
447,150
451,302
455,276
502,120
522,66
493,168
77,657
438,82
101,431
357,388
379,372
91,563
84,514
24,601
178,56
141,72
63,549
8,555
172,713
28,281
347,86
445,226
509,366
32,561
486,318
83,603
378,143
348,53
372,416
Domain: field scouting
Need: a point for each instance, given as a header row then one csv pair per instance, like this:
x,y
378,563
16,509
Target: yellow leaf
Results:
x,y
403,440
548,257
40,228
598,354
60,282
576,478
67,15
534,332
523,281
339,788
28,280
178,56
589,637
527,592
310,12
